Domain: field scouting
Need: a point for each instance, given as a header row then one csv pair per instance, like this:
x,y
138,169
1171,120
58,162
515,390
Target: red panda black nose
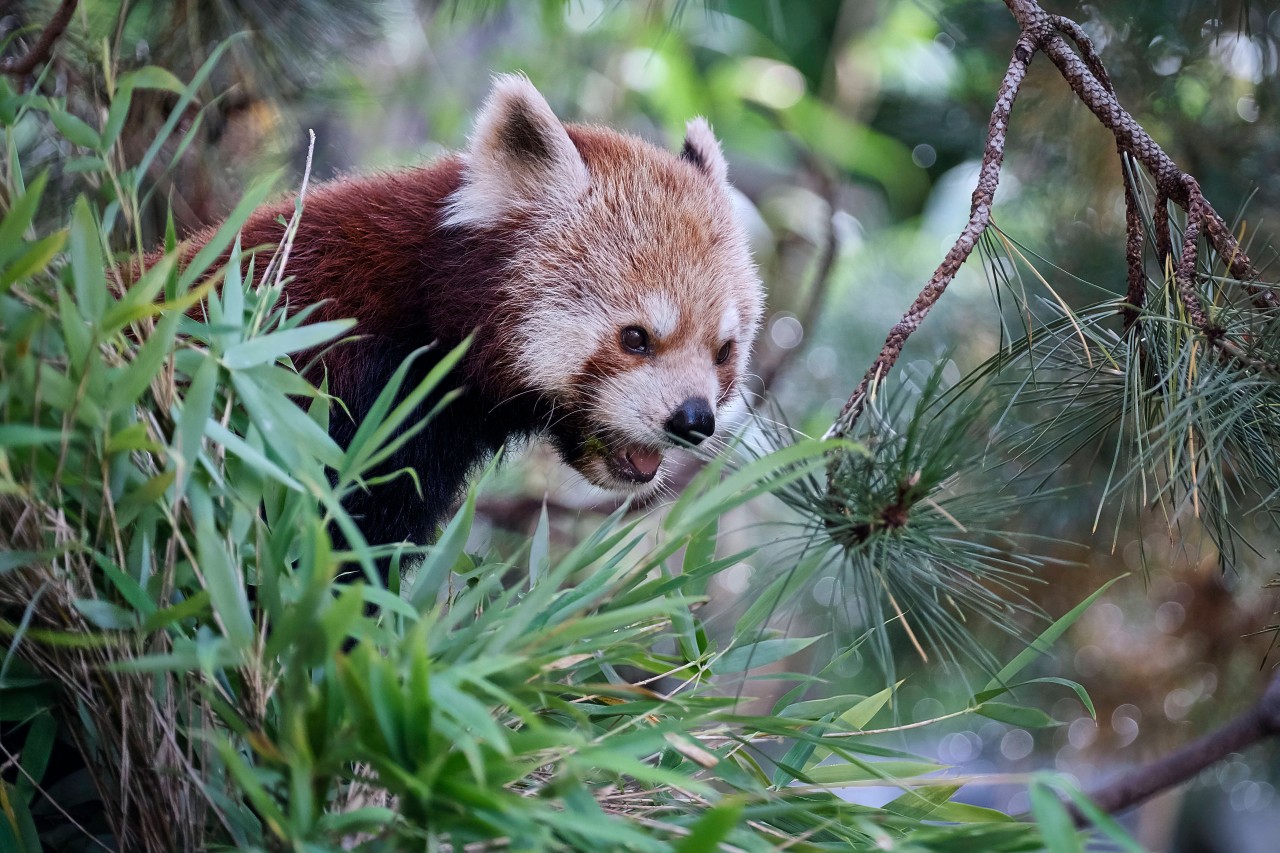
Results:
x,y
692,421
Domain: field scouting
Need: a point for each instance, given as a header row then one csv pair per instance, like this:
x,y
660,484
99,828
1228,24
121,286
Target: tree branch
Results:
x,y
1136,294
1139,784
1177,185
1160,225
21,66
1185,276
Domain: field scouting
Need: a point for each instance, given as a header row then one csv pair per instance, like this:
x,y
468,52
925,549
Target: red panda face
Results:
x,y
630,302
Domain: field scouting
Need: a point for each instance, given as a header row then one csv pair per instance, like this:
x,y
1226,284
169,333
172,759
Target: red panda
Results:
x,y
607,285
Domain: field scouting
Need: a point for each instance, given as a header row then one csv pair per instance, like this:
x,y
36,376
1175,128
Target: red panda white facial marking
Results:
x,y
631,301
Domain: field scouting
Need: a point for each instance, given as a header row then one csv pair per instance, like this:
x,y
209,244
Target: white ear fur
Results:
x,y
702,149
519,158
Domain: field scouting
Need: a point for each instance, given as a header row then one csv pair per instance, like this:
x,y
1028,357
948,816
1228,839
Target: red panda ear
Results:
x,y
519,158
703,150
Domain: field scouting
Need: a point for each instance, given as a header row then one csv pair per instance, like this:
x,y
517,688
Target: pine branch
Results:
x,y
1133,139
1141,783
1134,237
1088,79
21,66
1085,73
1160,225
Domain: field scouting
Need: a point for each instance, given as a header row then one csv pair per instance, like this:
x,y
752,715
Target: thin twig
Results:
x,y
1134,253
1160,225
1185,282
919,724
1087,51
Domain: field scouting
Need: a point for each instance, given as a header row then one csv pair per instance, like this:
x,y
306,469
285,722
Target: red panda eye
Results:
x,y
726,350
636,340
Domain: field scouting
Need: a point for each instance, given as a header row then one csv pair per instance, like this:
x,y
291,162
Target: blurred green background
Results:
x,y
852,127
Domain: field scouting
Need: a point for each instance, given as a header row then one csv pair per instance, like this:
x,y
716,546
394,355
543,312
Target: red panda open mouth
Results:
x,y
605,457
635,463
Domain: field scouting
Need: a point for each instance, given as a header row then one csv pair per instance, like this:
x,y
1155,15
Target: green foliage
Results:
x,y
1180,419
914,521
170,606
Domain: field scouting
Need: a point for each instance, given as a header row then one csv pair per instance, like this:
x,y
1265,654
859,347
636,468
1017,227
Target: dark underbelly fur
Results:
x,y
461,438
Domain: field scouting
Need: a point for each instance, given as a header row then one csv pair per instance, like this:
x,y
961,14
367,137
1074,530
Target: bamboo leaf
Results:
x,y
761,653
35,258
25,435
540,547
75,129
1056,827
135,378
863,771
286,428
143,497
179,110
447,550
712,828
10,560
1077,688
1016,715
196,404
1047,638
198,267
87,270
1102,821
225,584
382,423
140,299
21,213
105,615
268,348
151,77
250,454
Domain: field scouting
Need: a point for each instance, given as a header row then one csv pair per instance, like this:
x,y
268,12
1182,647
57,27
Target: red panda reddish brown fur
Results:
x,y
606,282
